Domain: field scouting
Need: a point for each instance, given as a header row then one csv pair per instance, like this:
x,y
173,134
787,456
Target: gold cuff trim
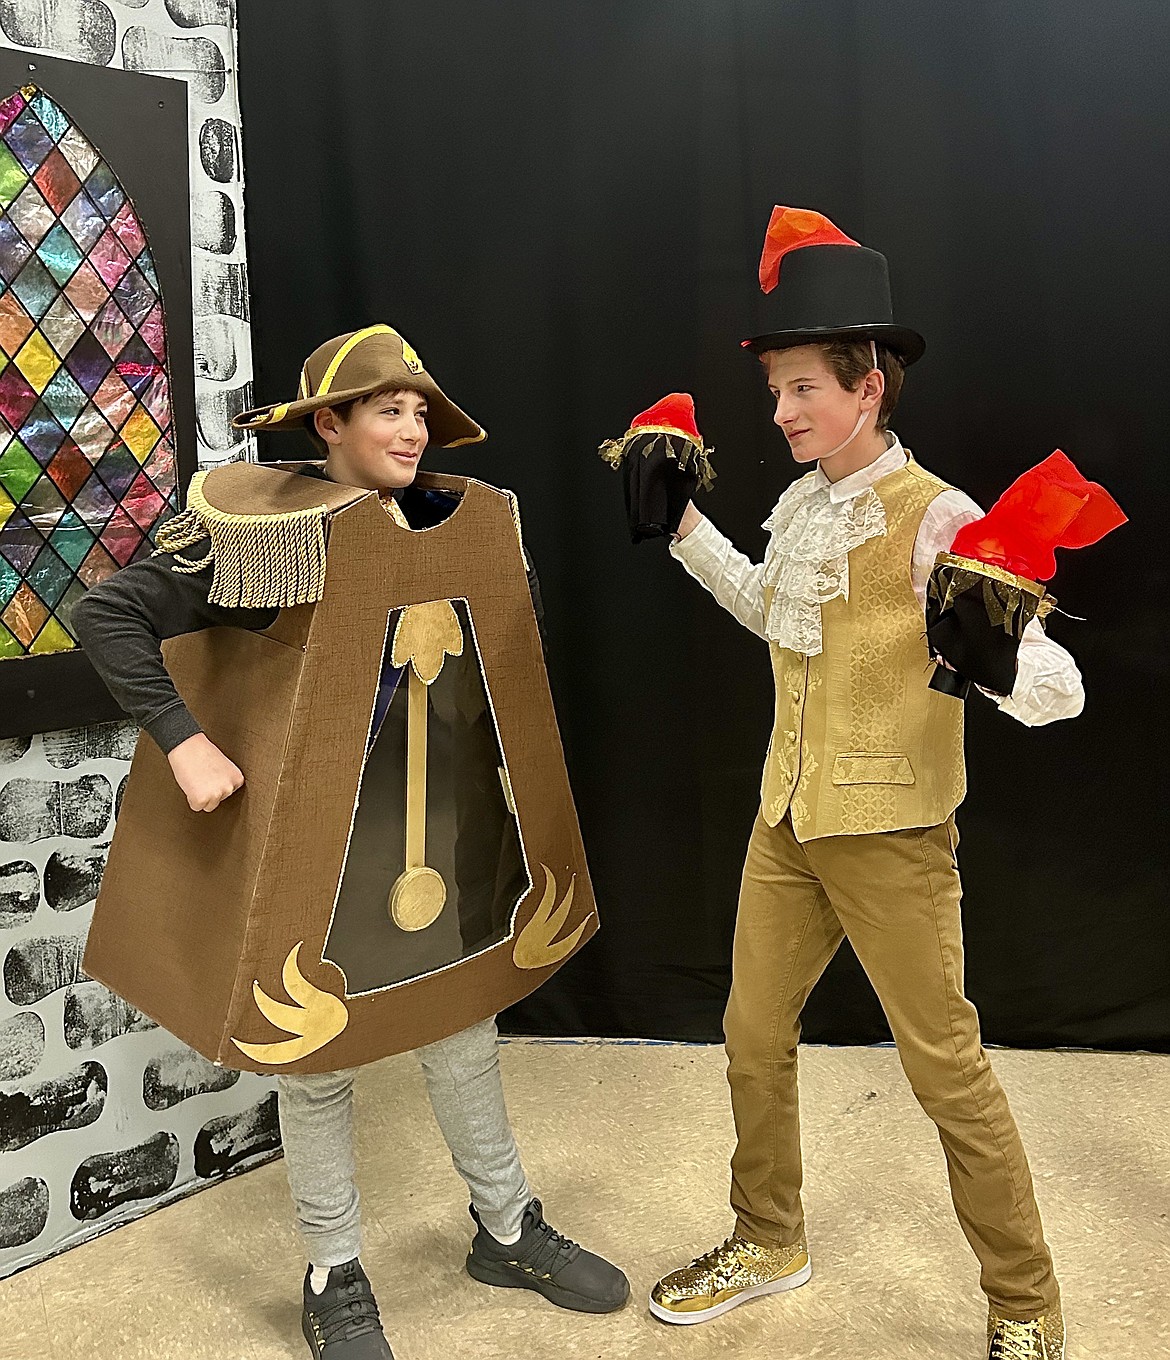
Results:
x,y
1009,578
613,451
259,561
1011,601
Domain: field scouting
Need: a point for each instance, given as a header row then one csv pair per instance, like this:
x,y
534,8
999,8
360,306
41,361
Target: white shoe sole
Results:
x,y
780,1286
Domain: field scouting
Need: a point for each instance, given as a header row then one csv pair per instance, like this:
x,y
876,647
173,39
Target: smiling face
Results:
x,y
815,413
377,442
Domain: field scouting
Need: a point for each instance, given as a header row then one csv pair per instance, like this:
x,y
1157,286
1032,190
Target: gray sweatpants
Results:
x,y
467,1096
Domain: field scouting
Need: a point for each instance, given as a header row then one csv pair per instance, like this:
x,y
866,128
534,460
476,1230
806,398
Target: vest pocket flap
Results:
x,y
873,769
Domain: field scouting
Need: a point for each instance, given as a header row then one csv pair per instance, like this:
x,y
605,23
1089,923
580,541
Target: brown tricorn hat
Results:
x,y
354,365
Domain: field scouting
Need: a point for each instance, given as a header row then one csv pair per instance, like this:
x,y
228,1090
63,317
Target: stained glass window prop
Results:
x,y
87,449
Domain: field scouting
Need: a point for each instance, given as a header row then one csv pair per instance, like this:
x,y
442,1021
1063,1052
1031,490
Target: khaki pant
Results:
x,y
896,896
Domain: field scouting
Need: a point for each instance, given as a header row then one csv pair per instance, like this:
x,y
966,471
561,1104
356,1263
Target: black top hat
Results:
x,y
826,287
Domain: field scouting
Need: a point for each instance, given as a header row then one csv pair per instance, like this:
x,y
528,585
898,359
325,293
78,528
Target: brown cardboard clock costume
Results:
x,y
404,858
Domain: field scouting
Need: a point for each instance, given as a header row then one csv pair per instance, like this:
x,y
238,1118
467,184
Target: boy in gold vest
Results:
x,y
856,831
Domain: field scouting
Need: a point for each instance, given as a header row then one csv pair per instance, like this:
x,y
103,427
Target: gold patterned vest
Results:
x,y
861,743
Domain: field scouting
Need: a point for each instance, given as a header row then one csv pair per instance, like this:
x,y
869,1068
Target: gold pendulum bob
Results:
x,y
425,634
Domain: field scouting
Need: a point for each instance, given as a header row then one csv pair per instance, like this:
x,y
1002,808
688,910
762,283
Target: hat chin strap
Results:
x,y
861,419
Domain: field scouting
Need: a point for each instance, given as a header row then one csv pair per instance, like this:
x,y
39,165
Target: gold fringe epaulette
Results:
x,y
682,449
257,561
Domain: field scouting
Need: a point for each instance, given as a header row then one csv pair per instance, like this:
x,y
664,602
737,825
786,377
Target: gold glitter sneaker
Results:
x,y
1041,1338
726,1277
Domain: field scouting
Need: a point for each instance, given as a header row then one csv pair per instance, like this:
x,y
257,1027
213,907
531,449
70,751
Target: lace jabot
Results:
x,y
807,560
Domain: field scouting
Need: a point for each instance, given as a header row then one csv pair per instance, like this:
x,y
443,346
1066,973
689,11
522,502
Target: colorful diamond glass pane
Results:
x,y
17,398
31,213
29,140
138,368
44,505
69,469
64,398
9,582
104,190
109,258
146,264
18,470
90,473
94,503
62,326
9,108
69,601
83,221
113,329
20,541
93,434
135,296
156,396
78,152
15,323
97,566
50,576
115,400
13,176
25,615
87,292
54,121
72,539
60,254
14,250
88,362
36,288
118,469
52,638
143,503
129,231
38,361
160,466
41,434
152,332
122,537
140,434
57,182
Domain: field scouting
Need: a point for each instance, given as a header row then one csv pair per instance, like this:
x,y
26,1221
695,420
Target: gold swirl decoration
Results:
x,y
317,1017
537,945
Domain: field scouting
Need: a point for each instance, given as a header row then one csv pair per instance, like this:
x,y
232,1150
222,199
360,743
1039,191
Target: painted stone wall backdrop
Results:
x,y
103,1115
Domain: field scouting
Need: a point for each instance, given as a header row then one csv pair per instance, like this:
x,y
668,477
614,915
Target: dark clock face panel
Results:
x,y
434,782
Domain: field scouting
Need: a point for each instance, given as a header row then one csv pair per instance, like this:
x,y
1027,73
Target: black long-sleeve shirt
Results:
x,y
122,622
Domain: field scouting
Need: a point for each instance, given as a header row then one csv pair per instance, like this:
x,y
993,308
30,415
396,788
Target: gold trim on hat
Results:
x,y
343,353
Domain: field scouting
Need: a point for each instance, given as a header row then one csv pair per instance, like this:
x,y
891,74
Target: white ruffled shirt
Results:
x,y
812,530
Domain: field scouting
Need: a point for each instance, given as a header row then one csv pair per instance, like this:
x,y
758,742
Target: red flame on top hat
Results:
x,y
675,412
1049,506
790,229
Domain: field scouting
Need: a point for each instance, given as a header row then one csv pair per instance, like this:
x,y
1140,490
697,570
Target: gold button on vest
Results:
x,y
861,743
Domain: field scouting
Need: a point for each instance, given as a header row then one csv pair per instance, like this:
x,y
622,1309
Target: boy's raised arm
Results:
x,y
121,623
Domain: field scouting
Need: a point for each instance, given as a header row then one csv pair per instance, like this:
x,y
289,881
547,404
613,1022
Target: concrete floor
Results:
x,y
628,1146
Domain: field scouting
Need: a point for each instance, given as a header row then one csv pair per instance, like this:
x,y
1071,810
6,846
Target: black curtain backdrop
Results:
x,y
562,207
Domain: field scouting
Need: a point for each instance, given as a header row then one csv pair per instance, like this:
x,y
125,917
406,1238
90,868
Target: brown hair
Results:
x,y
344,409
851,360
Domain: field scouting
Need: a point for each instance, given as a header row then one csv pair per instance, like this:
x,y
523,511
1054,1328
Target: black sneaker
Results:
x,y
341,1322
543,1260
